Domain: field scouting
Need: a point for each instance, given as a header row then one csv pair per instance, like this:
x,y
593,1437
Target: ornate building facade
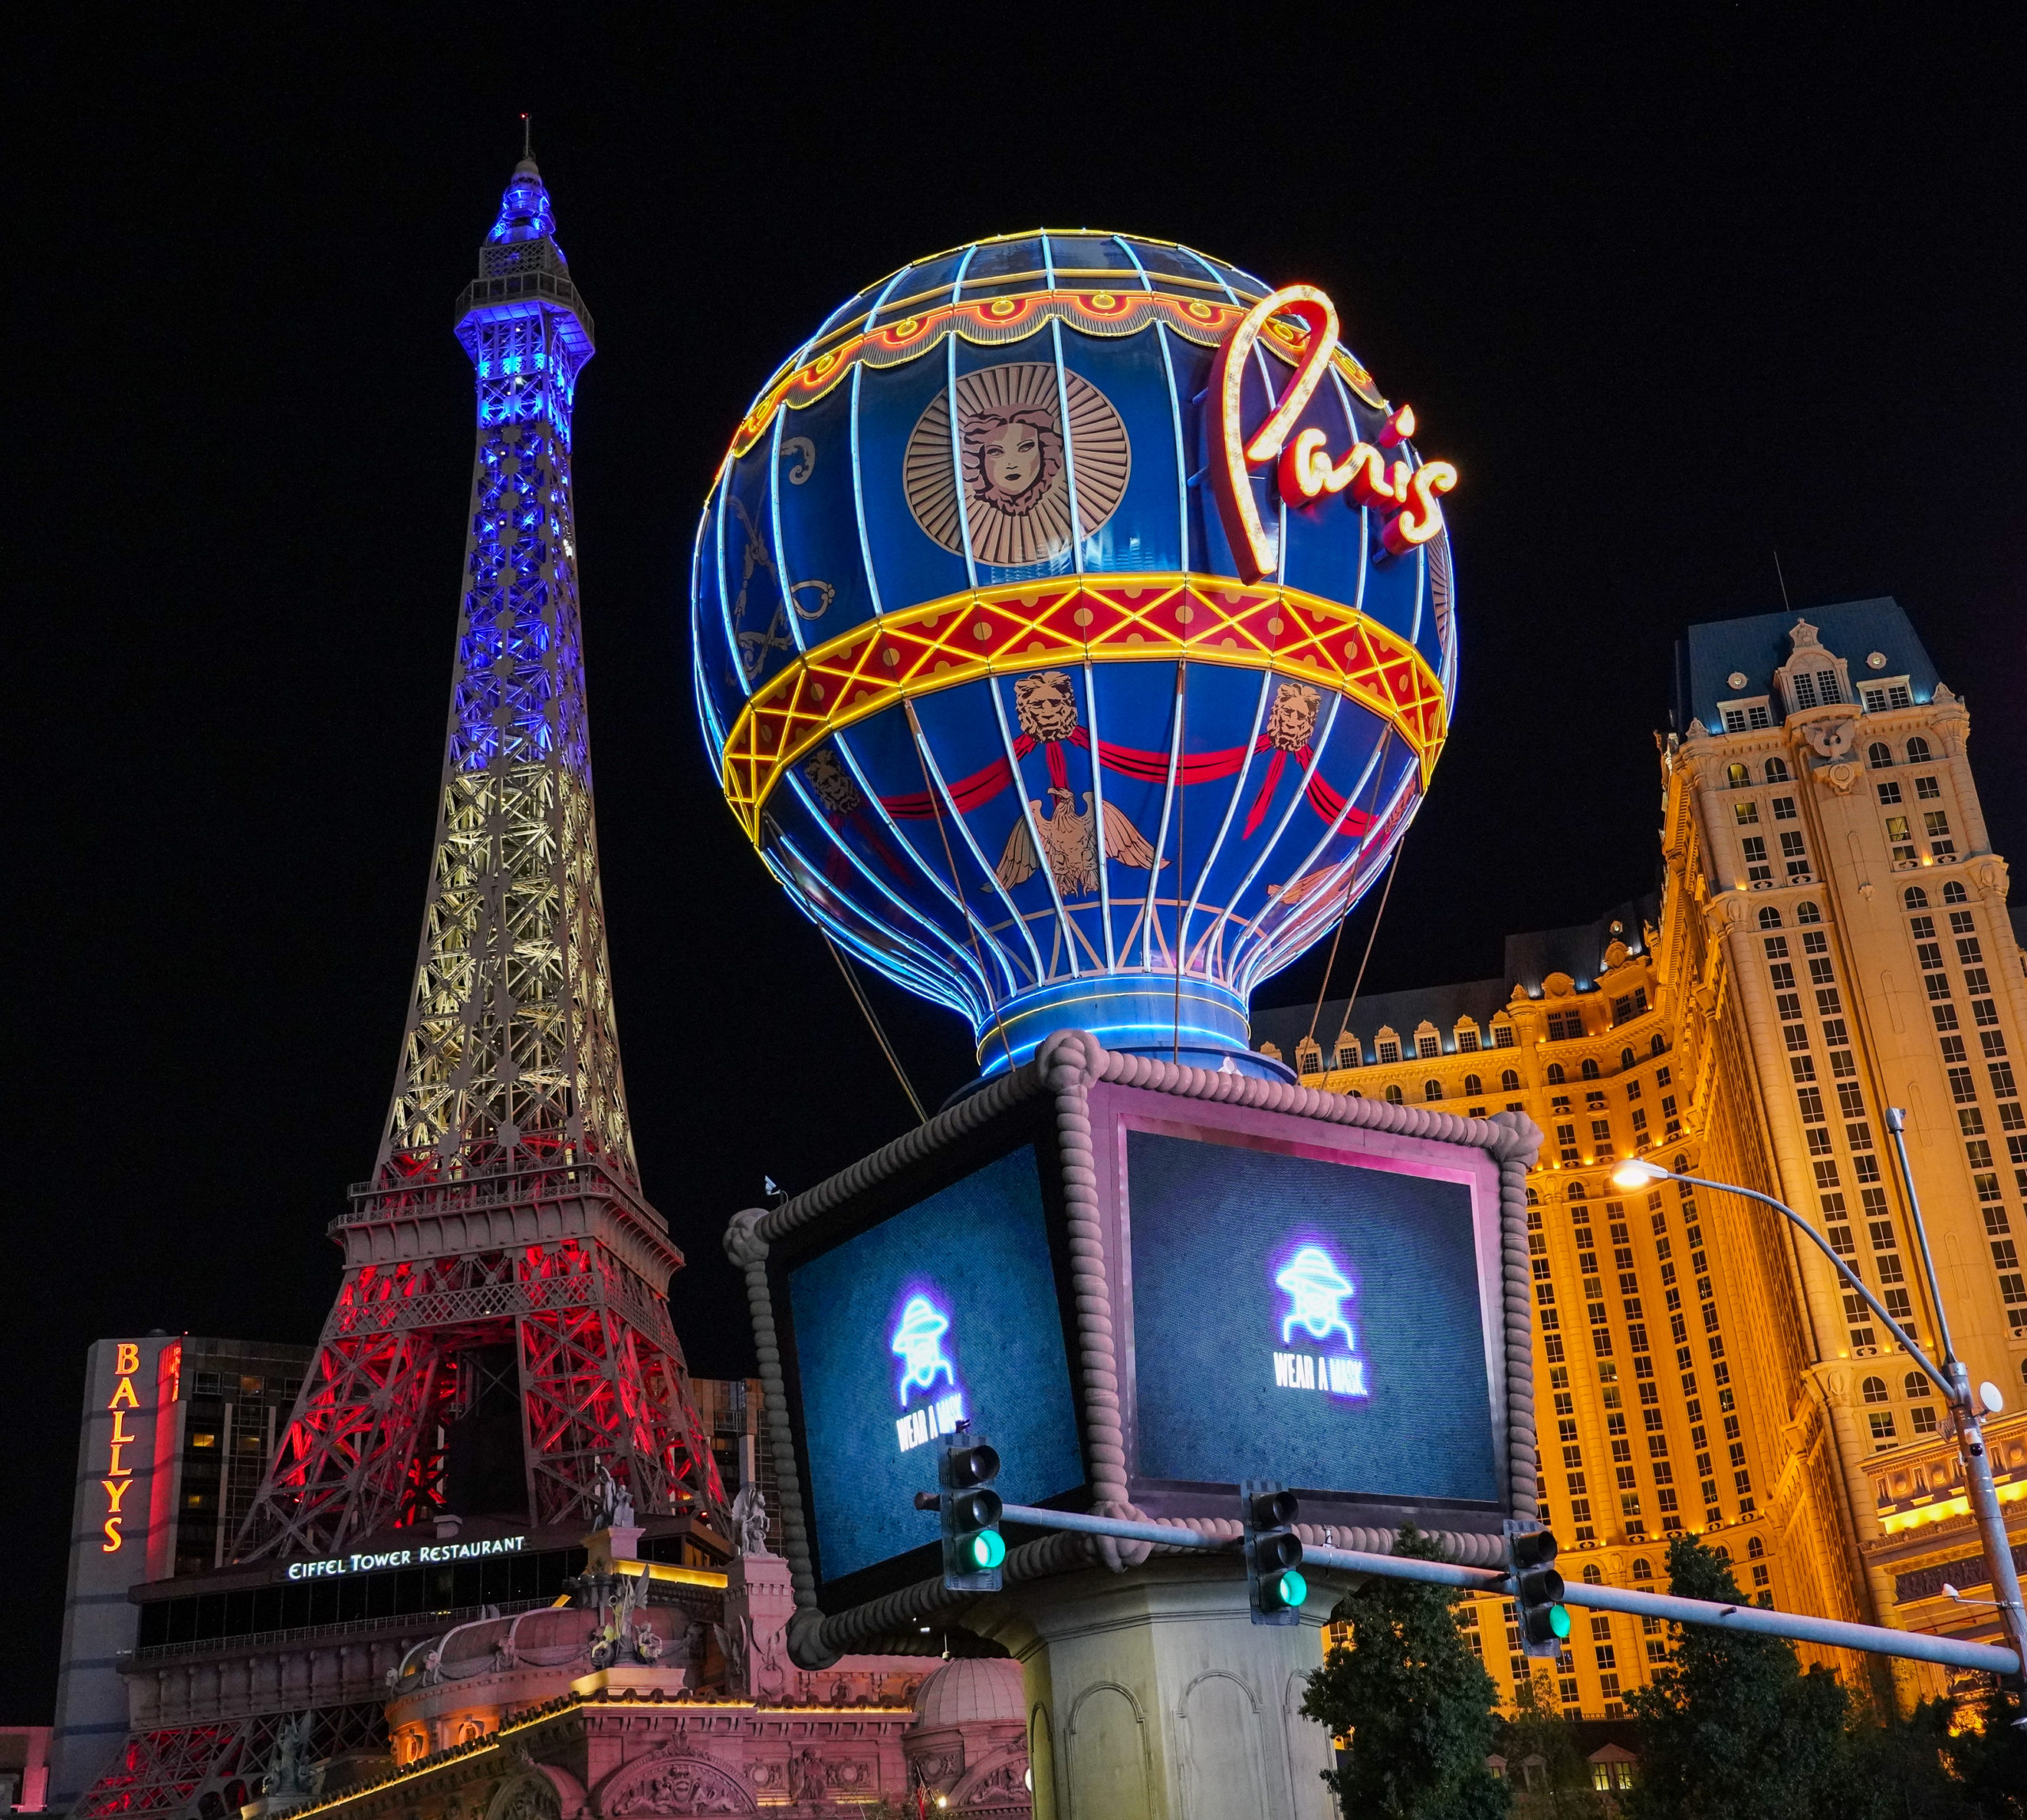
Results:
x,y
1829,937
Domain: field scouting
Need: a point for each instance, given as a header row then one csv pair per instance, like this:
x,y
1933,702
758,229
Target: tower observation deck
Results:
x,y
503,1325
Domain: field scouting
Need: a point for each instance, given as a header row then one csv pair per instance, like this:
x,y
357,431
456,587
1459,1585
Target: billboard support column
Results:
x,y
1151,1692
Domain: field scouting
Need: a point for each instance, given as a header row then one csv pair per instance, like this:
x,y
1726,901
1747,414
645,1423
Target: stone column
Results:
x,y
1151,1694
759,1600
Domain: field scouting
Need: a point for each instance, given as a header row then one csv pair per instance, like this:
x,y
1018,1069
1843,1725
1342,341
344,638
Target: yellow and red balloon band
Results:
x,y
989,321
1088,619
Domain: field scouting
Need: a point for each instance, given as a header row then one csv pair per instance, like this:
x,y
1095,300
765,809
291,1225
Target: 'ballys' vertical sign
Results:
x,y
128,1437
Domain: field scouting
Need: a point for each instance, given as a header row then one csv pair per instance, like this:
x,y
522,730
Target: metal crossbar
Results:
x,y
1913,1646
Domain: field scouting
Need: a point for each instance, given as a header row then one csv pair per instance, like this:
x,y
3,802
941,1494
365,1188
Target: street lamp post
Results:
x,y
1951,1377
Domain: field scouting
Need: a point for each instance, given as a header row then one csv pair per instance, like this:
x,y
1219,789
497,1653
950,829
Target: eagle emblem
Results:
x,y
1069,843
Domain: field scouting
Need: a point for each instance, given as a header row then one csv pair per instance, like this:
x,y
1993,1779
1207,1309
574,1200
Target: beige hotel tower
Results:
x,y
1829,937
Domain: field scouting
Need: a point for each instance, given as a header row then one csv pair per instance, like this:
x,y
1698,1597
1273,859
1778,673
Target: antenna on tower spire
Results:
x,y
527,136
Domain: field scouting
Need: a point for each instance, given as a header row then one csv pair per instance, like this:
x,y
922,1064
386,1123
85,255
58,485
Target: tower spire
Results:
x,y
527,138
503,1250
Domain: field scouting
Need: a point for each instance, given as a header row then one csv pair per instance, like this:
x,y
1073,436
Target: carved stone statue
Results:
x,y
749,1516
807,1779
613,1503
290,1774
624,1633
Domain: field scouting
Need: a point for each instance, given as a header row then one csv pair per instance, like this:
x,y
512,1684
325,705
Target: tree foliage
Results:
x,y
1412,1703
1732,1729
1562,1789
1991,1763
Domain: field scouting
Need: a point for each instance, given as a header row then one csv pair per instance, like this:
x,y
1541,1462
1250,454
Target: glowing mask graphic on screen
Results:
x,y
918,1343
1315,1289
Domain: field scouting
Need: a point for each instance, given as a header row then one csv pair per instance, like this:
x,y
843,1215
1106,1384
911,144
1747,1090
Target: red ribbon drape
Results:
x,y
969,793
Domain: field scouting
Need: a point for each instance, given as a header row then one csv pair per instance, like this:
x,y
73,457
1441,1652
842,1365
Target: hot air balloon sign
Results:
x,y
1075,637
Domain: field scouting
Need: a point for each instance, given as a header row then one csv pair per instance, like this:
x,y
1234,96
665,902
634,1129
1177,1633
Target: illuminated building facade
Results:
x,y
1831,937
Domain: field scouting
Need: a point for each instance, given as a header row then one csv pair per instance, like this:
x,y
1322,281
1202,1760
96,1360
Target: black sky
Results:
x,y
1668,299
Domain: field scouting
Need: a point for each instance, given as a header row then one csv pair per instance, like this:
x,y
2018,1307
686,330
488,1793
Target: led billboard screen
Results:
x,y
1314,1322
944,1310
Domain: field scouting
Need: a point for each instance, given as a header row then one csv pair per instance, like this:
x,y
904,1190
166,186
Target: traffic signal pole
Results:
x,y
1912,1646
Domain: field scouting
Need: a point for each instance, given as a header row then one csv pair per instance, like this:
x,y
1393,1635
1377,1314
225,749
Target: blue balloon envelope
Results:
x,y
985,681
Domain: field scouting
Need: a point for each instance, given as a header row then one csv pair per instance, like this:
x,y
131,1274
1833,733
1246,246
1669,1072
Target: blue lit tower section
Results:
x,y
534,1065
502,1328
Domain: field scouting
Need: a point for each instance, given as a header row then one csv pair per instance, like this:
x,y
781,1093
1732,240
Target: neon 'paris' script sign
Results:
x,y
1408,495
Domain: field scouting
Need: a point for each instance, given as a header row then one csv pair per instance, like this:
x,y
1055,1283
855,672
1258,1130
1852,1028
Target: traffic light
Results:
x,y
1274,1585
1537,1590
972,1545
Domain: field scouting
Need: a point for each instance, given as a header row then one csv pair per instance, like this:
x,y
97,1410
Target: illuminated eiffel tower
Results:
x,y
503,1327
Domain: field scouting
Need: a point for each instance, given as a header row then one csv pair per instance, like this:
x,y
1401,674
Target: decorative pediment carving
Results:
x,y
529,1796
667,1787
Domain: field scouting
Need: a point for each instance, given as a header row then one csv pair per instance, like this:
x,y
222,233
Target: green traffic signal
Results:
x,y
1276,1590
1286,1591
1543,1619
973,1547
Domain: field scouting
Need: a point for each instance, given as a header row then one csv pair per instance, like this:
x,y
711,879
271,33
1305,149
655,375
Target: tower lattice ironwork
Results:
x,y
503,1326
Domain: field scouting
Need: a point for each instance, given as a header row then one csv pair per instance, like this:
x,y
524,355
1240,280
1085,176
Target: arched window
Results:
x,y
1808,911
1918,751
1737,776
1777,770
1915,898
1393,1096
1625,1059
1879,755
1555,1074
1592,1576
1578,1191
1722,1552
1473,1086
1919,1385
1590,1069
1953,893
2023,1371
1754,1548
1873,1389
1643,1569
1432,1089
1509,1082
1679,1165
1769,917
1659,1045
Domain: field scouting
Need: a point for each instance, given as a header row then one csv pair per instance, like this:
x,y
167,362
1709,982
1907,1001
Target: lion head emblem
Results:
x,y
1046,705
1291,718
831,782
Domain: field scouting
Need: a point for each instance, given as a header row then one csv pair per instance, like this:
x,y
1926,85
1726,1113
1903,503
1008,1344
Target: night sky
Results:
x,y
1669,303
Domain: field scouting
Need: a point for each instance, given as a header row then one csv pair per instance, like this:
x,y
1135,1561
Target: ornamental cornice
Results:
x,y
1131,618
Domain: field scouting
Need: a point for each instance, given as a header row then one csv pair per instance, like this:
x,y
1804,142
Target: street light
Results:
x,y
1951,1377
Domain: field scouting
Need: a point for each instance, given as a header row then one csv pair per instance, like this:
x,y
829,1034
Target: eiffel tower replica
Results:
x,y
502,1328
